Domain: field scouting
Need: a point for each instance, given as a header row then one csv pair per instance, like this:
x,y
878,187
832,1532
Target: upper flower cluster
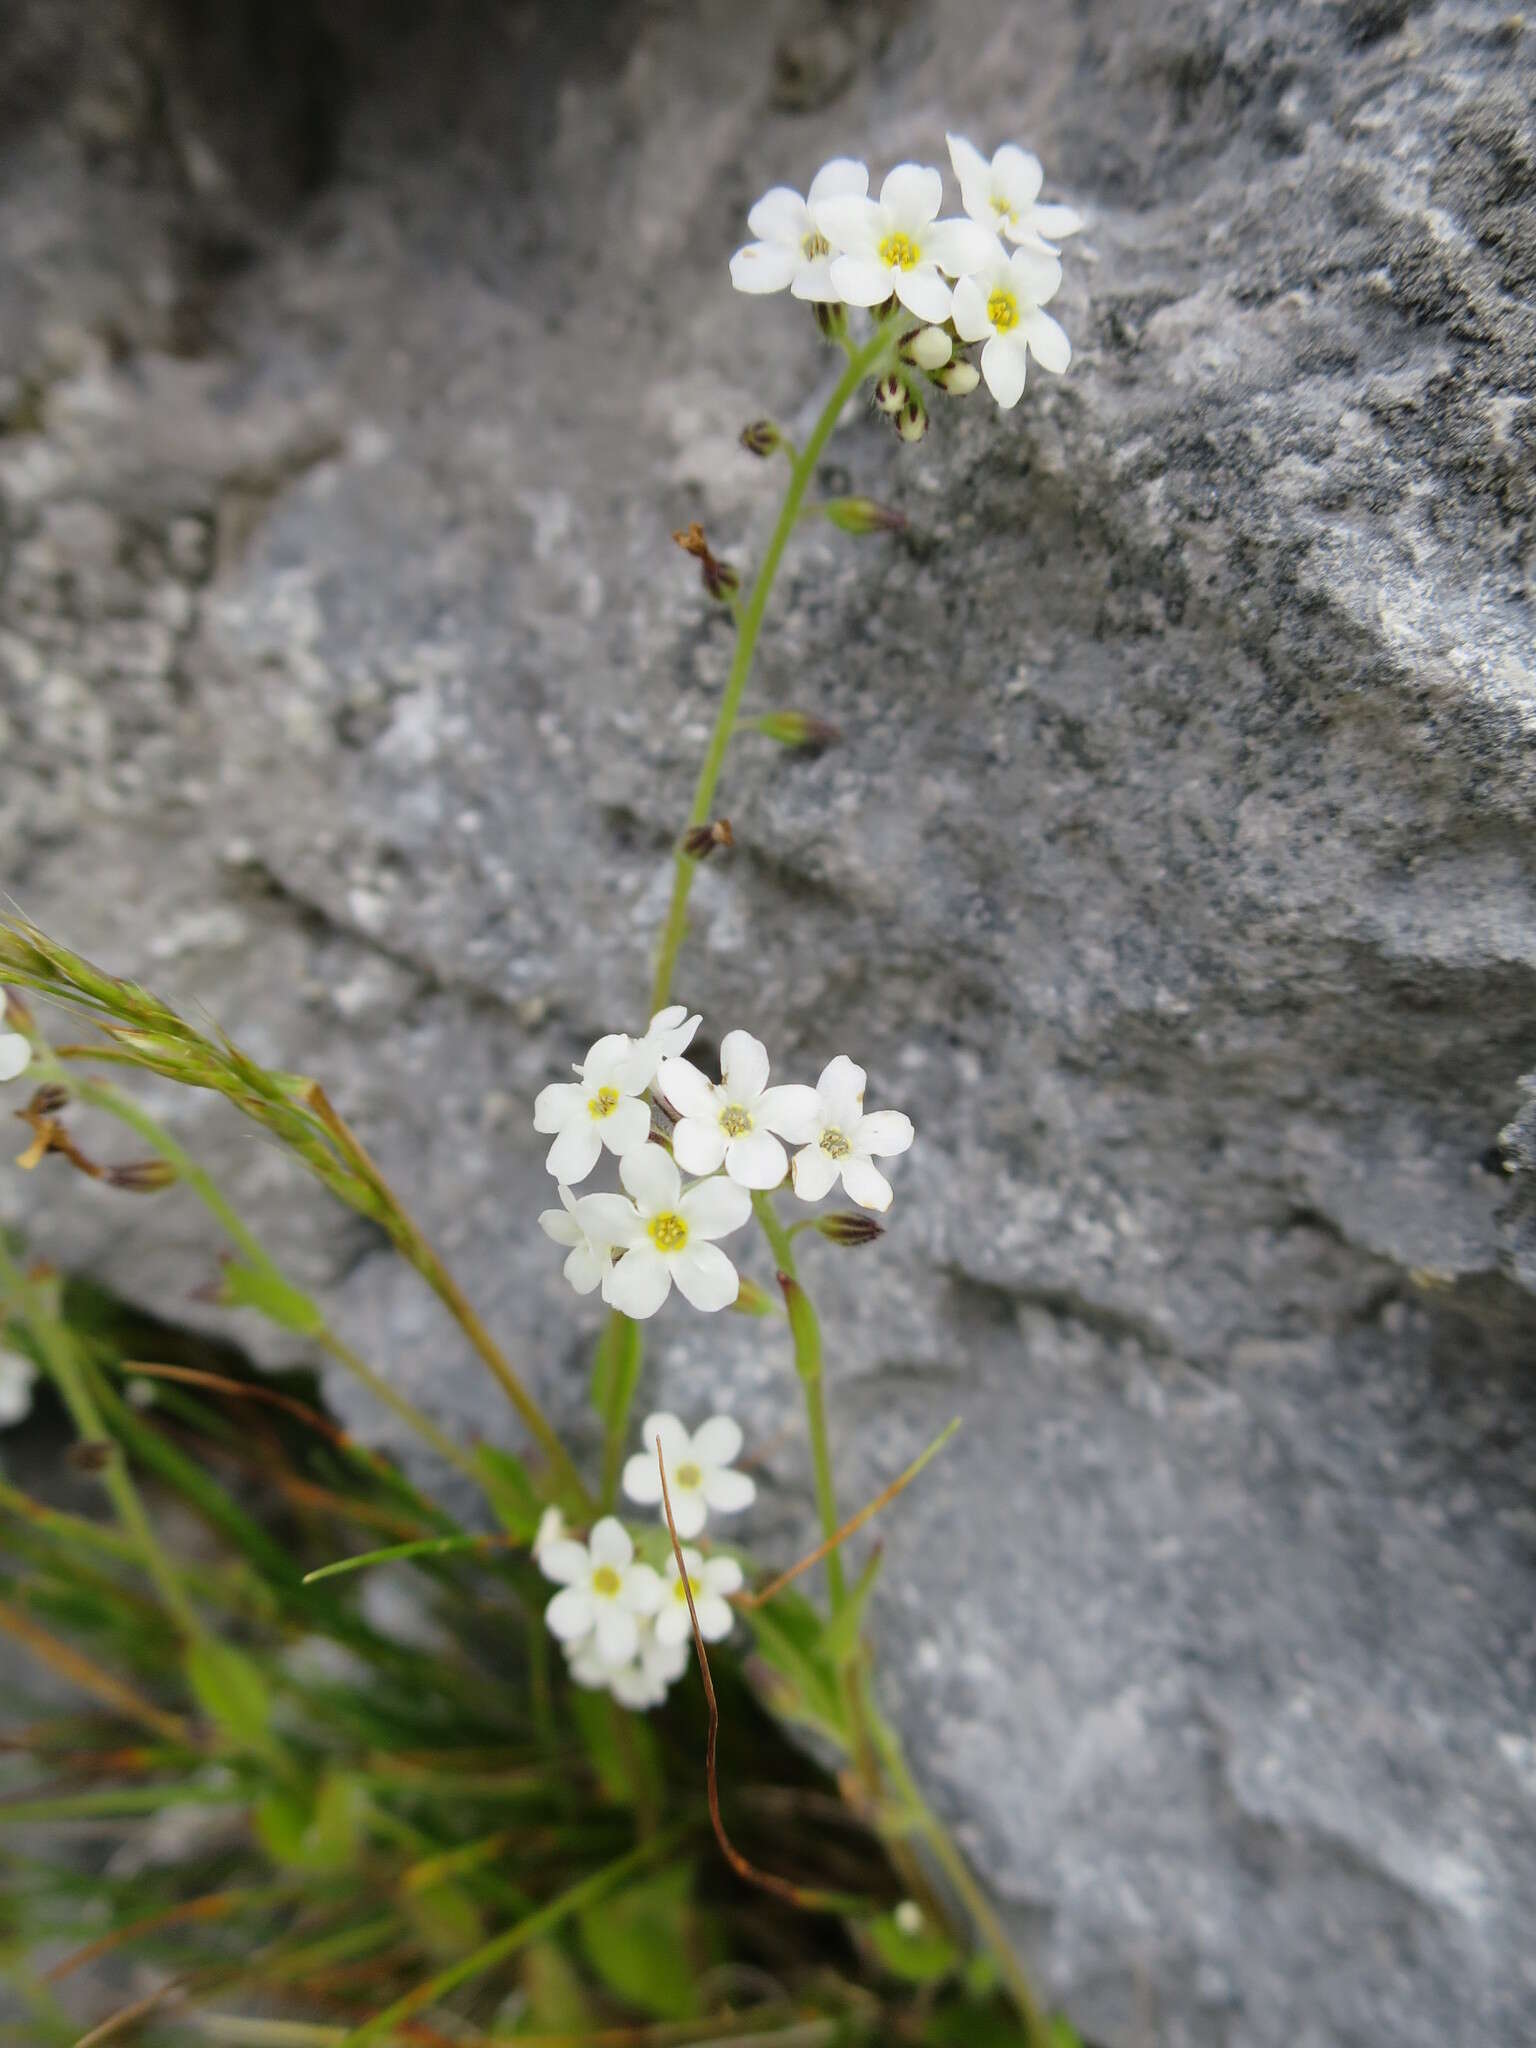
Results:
x,y
987,274
733,1134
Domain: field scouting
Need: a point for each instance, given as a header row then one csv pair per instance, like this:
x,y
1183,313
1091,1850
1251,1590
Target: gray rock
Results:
x,y
1175,873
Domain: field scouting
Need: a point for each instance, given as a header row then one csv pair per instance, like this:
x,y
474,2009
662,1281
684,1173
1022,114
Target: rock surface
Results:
x,y
1176,872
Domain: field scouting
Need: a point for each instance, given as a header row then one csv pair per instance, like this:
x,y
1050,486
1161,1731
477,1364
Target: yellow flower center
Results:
x,y
900,252
668,1232
603,1103
734,1121
606,1581
1003,310
694,1586
814,245
835,1145
688,1476
1005,209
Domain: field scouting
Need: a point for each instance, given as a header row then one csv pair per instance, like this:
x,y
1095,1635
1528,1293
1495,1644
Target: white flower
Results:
x,y
587,1225
15,1051
603,1590
700,1470
1004,303
790,249
17,1375
846,1141
668,1035
1003,194
710,1583
602,1108
668,1232
732,1121
897,244
551,1529
641,1681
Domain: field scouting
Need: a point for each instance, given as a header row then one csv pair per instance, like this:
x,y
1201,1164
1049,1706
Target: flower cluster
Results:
x,y
624,1626
732,1134
984,277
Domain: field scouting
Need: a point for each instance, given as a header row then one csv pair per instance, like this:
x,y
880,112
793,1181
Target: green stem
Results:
x,y
862,362
64,1367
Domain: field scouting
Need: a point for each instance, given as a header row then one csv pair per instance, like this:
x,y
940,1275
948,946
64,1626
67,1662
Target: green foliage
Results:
x,y
640,1942
509,1490
230,1689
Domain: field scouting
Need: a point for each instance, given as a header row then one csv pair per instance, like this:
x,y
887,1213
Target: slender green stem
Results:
x,y
64,1367
862,362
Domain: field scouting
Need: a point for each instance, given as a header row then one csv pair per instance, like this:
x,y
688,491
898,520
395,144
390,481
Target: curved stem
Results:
x,y
861,363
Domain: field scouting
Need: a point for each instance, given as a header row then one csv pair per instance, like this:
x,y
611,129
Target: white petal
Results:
x,y
554,1106
1017,175
649,1175
1035,274
861,280
618,1633
706,1278
718,1441
688,1511
688,1091
639,1283
841,1088
676,1443
756,1160
610,1543
672,1624
16,1056
569,1615
1047,339
779,216
884,1132
912,195
728,1491
671,1030
959,246
813,282
1002,364
642,1479
763,267
642,1592
562,1228
853,226
814,1172
699,1147
608,1220
843,178
607,1060
970,310
714,1208
743,1066
575,1152
721,1575
584,1269
1056,222
565,1561
866,1184
974,174
923,292
715,1618
626,1129
791,1110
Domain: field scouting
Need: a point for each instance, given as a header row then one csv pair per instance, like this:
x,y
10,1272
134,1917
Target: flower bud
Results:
x,y
140,1176
863,515
700,841
957,378
890,393
761,438
912,421
720,579
48,1100
751,1300
929,347
847,1229
797,729
831,318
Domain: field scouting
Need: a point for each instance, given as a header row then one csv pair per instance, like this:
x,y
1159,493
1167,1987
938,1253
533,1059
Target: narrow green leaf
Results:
x,y
510,1491
840,1639
790,1641
231,1691
424,1546
271,1296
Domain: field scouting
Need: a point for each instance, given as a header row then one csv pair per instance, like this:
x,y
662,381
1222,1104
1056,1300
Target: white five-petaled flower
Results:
x,y
602,1108
847,1142
791,249
732,1122
701,1475
668,1232
17,1374
15,1051
640,1682
1004,194
710,1582
586,1225
1004,303
603,1590
898,244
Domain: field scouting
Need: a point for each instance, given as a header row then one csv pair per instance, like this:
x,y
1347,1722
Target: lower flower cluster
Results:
x,y
736,1135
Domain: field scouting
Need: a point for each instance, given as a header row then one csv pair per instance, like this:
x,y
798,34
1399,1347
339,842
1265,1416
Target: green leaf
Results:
x,y
270,1295
840,1638
447,1920
510,1491
557,2001
392,1553
638,1942
921,1957
616,1371
790,1640
622,1746
232,1692
318,1828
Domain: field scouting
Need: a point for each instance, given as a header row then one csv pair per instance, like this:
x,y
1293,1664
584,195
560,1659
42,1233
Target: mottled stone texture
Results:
x,y
1176,873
